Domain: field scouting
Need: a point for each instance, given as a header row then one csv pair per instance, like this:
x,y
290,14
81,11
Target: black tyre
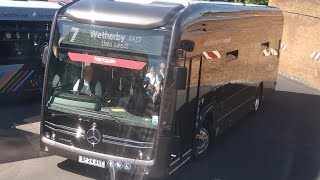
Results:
x,y
205,139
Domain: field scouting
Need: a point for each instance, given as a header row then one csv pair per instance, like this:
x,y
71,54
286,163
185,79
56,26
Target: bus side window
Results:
x,y
194,78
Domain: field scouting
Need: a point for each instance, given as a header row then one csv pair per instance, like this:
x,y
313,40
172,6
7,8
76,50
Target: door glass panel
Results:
x,y
194,79
182,94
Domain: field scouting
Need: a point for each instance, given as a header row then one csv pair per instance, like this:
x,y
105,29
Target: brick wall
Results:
x,y
306,7
301,35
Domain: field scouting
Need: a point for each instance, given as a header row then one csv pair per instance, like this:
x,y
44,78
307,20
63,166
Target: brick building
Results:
x,y
300,54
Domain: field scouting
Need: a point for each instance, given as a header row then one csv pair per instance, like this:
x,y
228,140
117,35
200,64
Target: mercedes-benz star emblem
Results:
x,y
93,135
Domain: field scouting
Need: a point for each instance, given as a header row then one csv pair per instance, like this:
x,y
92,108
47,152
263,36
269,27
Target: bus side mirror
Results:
x,y
181,78
187,45
45,55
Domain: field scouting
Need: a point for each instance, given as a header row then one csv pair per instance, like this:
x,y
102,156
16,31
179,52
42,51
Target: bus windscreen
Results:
x,y
107,82
130,40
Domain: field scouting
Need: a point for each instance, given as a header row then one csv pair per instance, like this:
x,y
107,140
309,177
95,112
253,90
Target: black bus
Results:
x,y
143,88
24,30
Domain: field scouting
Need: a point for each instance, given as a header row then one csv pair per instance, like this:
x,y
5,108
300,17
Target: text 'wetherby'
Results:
x,y
107,36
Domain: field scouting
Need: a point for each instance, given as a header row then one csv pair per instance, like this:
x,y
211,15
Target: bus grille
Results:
x,y
79,133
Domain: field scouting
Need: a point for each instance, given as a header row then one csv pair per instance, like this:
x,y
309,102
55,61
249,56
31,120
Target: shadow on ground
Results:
x,y
280,142
93,172
17,145
83,169
16,114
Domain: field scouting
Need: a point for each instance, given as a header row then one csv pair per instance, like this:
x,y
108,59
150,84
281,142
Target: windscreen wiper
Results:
x,y
62,86
63,115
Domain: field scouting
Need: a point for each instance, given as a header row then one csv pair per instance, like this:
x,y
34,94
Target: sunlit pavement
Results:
x,y
280,142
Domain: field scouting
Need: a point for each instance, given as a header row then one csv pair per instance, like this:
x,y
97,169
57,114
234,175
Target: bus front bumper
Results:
x,y
137,166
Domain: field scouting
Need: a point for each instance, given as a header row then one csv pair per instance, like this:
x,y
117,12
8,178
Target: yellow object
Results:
x,y
118,110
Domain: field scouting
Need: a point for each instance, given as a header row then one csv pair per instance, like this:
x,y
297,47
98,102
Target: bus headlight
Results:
x,y
143,156
47,135
79,132
140,154
53,136
146,170
46,149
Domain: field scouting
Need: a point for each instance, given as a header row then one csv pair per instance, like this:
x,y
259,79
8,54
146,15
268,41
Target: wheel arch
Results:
x,y
207,118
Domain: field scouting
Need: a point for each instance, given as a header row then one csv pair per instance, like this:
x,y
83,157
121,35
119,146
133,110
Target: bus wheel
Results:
x,y
203,141
258,99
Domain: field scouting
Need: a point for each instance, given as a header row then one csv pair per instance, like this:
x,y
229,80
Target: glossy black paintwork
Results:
x,y
106,127
121,14
218,104
231,96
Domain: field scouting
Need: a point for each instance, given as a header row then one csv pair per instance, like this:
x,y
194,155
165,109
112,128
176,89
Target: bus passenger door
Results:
x,y
186,107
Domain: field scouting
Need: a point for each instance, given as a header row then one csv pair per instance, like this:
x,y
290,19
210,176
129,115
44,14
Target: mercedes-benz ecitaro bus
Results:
x,y
144,88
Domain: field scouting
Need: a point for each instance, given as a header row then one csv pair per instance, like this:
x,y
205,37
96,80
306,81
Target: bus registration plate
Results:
x,y
91,161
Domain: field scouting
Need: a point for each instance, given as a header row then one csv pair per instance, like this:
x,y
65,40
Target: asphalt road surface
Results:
x,y
280,142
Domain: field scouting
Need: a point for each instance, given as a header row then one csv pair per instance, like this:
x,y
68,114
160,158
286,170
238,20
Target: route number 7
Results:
x,y
74,31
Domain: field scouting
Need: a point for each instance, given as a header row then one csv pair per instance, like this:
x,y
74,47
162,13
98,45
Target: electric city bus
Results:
x,y
144,88
24,30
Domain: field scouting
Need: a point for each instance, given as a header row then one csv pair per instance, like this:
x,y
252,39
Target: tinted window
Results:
x,y
22,39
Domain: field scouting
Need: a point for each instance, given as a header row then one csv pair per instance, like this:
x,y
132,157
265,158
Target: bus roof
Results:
x,y
141,15
27,10
123,14
189,2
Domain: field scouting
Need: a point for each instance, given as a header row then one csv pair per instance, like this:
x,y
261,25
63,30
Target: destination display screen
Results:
x,y
136,41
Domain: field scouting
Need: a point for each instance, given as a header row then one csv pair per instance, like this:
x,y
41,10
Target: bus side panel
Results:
x,y
160,168
21,70
233,63
21,82
224,71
